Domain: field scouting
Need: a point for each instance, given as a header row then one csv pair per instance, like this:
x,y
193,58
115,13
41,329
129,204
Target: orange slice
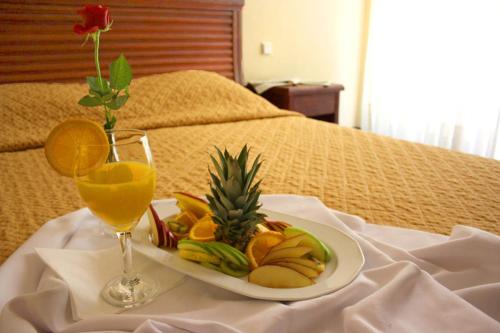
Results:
x,y
186,218
260,245
203,231
64,141
205,218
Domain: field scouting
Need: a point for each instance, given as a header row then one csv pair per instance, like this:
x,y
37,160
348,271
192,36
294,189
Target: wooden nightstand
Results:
x,y
319,102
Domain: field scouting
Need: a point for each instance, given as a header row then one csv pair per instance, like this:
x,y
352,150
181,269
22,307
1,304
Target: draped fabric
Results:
x,y
432,73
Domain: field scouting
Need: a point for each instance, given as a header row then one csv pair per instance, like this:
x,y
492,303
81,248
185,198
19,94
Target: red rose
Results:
x,y
96,17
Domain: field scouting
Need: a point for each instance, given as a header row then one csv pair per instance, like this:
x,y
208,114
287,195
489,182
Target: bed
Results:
x,y
197,103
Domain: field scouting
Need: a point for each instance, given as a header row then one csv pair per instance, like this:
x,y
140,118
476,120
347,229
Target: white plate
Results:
x,y
347,260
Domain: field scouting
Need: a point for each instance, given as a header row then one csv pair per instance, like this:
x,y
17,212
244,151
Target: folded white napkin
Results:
x,y
86,273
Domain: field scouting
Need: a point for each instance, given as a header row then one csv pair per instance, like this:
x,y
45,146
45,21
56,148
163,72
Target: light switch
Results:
x,y
266,48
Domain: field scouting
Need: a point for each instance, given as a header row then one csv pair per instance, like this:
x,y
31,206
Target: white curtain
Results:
x,y
432,73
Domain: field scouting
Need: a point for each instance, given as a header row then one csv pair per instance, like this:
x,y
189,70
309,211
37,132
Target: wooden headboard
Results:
x,y
37,42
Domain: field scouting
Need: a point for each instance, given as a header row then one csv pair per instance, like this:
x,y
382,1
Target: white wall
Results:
x,y
313,40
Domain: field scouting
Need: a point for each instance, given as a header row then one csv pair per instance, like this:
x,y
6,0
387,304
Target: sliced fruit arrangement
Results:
x,y
215,255
194,222
289,258
260,245
293,263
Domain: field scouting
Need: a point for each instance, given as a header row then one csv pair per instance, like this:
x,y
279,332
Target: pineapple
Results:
x,y
234,201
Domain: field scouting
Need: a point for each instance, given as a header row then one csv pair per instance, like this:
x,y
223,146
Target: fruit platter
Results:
x,y
228,240
347,259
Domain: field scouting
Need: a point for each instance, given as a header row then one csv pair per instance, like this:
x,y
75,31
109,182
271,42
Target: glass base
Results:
x,y
106,230
129,293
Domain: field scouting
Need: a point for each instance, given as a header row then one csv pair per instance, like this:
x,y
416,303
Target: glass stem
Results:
x,y
129,276
113,154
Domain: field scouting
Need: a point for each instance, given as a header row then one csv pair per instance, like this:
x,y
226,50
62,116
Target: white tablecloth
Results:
x,y
411,282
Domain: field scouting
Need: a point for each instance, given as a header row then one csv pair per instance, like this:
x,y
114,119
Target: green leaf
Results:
x,y
93,83
117,102
107,86
108,97
90,101
120,73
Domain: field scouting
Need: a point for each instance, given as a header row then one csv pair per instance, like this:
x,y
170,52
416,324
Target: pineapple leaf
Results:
x,y
232,189
242,160
225,201
260,216
251,175
215,180
240,201
222,160
218,208
252,201
217,167
218,220
234,170
255,187
211,202
227,156
235,214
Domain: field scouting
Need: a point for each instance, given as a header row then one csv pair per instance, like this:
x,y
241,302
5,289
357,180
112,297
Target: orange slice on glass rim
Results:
x,y
260,245
203,231
65,140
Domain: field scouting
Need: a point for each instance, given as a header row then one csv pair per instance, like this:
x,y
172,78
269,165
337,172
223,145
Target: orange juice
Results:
x,y
119,193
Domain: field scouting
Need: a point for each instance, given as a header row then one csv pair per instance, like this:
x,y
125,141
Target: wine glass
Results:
x,y
118,192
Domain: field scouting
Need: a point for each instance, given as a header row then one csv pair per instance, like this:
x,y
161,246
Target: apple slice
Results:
x,y
229,269
289,252
290,242
319,250
191,245
156,227
170,237
199,256
228,253
211,266
304,270
313,264
273,276
190,203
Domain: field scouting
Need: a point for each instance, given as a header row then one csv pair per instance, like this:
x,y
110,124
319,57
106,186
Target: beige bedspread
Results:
x,y
386,181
